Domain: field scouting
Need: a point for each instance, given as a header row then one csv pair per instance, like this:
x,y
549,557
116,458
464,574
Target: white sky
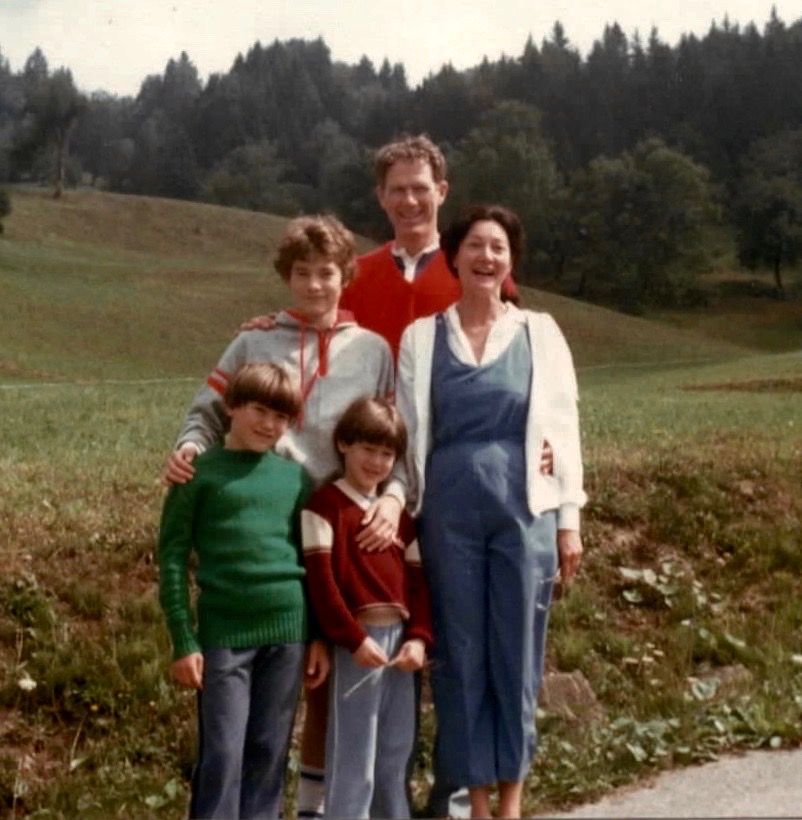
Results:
x,y
114,44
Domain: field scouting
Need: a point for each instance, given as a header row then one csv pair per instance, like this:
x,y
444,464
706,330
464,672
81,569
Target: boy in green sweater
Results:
x,y
240,516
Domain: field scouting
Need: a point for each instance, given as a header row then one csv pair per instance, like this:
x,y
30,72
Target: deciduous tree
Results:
x,y
769,212
642,216
507,160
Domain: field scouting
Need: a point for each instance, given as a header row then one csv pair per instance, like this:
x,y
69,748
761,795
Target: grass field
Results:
x,y
114,309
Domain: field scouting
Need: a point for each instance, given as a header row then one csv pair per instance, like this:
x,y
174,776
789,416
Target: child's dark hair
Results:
x,y
372,421
267,384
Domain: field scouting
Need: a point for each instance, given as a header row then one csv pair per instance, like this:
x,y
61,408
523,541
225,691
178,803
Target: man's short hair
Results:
x,y
409,148
267,384
372,421
323,234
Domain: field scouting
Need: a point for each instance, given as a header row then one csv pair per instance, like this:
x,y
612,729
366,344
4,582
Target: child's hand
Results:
x,y
179,469
411,656
370,654
316,664
188,671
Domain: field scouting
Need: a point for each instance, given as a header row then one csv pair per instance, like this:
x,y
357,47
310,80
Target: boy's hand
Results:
x,y
188,671
411,656
258,323
380,524
316,664
370,654
179,469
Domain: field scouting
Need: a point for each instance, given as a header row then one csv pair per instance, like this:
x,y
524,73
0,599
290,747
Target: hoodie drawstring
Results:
x,y
324,338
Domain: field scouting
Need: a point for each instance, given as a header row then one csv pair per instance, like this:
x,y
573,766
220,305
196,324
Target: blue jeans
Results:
x,y
245,716
370,733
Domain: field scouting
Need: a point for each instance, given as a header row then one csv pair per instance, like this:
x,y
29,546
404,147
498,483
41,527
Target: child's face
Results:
x,y
366,465
256,427
316,284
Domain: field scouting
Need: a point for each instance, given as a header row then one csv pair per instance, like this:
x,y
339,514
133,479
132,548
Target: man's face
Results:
x,y
411,198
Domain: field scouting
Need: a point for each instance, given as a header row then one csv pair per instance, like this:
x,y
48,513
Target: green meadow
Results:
x,y
687,616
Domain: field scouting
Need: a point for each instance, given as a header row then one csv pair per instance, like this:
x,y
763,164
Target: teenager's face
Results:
x,y
483,259
411,198
256,427
366,465
316,285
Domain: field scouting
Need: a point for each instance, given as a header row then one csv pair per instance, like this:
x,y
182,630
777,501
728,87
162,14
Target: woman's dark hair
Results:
x,y
453,236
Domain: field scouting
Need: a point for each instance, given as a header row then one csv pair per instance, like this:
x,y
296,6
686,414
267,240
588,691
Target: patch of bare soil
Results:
x,y
792,384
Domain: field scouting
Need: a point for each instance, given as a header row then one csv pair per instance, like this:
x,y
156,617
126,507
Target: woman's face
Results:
x,y
483,260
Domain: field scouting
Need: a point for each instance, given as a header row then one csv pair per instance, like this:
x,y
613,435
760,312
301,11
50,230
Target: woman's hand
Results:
x,y
370,654
316,664
569,547
179,469
380,524
411,656
188,671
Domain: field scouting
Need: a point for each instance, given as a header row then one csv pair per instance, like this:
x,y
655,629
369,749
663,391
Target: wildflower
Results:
x,y
26,683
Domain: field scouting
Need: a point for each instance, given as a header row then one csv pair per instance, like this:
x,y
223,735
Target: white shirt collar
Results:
x,y
360,499
410,261
499,338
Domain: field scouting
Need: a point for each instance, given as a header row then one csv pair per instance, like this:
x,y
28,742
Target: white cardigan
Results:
x,y
552,416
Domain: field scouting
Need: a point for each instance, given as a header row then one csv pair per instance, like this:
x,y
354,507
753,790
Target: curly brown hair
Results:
x,y
409,148
323,234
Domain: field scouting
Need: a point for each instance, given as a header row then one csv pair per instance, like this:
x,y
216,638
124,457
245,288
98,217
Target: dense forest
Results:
x,y
618,162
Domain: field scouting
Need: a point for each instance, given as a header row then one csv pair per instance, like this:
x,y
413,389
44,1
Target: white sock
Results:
x,y
311,791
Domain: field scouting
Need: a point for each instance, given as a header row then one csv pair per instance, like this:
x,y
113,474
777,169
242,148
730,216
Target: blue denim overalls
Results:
x,y
490,565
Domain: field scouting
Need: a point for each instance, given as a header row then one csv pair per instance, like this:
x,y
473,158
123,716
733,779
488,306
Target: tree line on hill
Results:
x,y
618,162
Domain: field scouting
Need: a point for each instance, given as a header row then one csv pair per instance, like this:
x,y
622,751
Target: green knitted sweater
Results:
x,y
239,515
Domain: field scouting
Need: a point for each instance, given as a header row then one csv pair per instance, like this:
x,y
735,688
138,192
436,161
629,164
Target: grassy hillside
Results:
x,y
693,451
106,286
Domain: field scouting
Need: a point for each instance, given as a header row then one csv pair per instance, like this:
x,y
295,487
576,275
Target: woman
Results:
x,y
483,386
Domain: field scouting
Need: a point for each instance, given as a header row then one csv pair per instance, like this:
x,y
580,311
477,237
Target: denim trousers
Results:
x,y
246,710
371,726
490,602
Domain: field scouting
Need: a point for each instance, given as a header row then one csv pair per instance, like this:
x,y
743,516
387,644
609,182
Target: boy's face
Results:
x,y
411,199
316,284
256,427
366,465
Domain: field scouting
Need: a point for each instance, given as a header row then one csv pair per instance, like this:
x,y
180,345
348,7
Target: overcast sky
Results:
x,y
114,44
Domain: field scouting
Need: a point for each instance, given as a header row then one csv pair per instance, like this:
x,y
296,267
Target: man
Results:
x,y
407,278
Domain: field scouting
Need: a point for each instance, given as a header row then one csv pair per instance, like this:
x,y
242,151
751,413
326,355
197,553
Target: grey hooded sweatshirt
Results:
x,y
331,367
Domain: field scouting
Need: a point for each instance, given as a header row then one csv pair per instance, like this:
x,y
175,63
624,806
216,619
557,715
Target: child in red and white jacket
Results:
x,y
374,607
